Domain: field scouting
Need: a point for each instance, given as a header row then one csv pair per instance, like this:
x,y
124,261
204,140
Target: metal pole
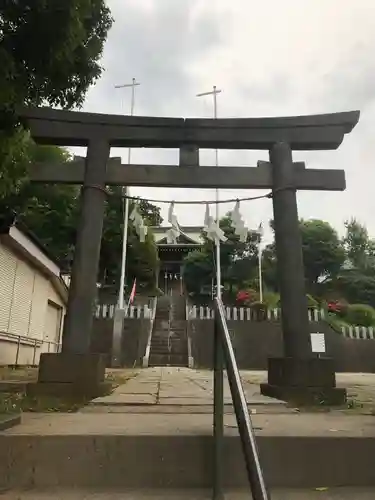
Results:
x,y
248,441
214,93
218,259
121,298
34,354
260,270
18,349
218,423
260,274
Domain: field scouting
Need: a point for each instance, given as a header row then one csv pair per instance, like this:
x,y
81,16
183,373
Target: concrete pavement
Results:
x,y
311,494
176,390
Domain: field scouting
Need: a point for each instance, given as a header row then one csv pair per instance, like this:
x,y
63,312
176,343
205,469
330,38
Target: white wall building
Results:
x,y
33,297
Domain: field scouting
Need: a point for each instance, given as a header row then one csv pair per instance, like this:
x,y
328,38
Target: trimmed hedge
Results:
x,y
361,315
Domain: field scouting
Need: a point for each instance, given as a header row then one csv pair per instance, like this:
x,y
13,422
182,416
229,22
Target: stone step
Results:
x,y
161,333
167,353
165,343
186,494
167,360
109,451
164,340
155,349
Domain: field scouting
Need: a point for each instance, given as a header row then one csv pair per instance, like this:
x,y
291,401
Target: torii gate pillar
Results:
x,y
300,376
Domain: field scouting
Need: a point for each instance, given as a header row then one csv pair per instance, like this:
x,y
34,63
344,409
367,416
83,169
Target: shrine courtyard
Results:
x,y
161,419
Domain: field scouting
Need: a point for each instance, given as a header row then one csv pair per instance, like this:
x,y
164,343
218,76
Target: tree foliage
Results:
x,y
52,211
323,253
142,258
360,249
238,261
50,50
49,55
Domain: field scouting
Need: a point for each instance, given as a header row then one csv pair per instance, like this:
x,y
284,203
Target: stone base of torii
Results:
x,y
300,376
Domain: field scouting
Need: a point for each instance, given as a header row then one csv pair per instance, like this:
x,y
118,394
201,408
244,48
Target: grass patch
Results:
x,y
21,402
18,403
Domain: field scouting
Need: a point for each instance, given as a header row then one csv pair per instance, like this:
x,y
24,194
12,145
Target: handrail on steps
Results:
x,y
224,355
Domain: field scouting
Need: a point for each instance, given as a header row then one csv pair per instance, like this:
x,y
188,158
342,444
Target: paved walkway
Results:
x,y
178,390
333,494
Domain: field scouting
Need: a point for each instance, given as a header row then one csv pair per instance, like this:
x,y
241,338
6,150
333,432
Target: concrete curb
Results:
x,y
9,421
180,461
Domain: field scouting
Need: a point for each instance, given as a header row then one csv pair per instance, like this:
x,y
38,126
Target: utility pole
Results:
x,y
121,298
214,93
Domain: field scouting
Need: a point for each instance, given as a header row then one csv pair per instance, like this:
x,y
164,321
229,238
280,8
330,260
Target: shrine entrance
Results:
x,y
299,371
172,255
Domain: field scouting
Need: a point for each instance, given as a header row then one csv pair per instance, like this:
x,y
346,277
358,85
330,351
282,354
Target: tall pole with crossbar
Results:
x,y
121,294
214,93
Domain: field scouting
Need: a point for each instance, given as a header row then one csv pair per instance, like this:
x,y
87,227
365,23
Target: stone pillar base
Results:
x,y
310,382
70,375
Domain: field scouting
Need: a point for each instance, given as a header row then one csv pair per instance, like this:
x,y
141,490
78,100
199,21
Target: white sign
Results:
x,y
318,343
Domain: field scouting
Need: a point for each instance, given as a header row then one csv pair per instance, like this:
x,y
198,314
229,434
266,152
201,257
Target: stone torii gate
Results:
x,y
299,373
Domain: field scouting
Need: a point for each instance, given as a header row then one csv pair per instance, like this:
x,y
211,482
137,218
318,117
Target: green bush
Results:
x,y
311,302
360,314
271,299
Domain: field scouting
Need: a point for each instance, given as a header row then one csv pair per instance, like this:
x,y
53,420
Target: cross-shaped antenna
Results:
x,y
132,85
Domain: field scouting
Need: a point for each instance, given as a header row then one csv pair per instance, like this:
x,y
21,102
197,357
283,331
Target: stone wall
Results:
x,y
254,342
134,339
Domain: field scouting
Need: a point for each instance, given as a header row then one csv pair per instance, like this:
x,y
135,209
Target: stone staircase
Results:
x,y
169,345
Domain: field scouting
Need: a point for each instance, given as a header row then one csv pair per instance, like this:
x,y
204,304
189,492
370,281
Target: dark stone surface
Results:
x,y
83,285
72,128
191,176
290,269
311,372
69,374
189,156
306,395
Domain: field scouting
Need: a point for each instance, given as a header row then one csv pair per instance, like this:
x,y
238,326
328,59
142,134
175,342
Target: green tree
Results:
x,y
238,261
323,256
49,54
323,253
52,211
269,268
198,271
354,285
50,50
14,159
142,258
359,247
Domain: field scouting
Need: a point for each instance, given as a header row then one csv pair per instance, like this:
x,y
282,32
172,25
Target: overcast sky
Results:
x,y
270,58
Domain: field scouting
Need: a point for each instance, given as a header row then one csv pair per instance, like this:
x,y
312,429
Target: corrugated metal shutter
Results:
x,y
8,265
22,298
39,307
52,324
